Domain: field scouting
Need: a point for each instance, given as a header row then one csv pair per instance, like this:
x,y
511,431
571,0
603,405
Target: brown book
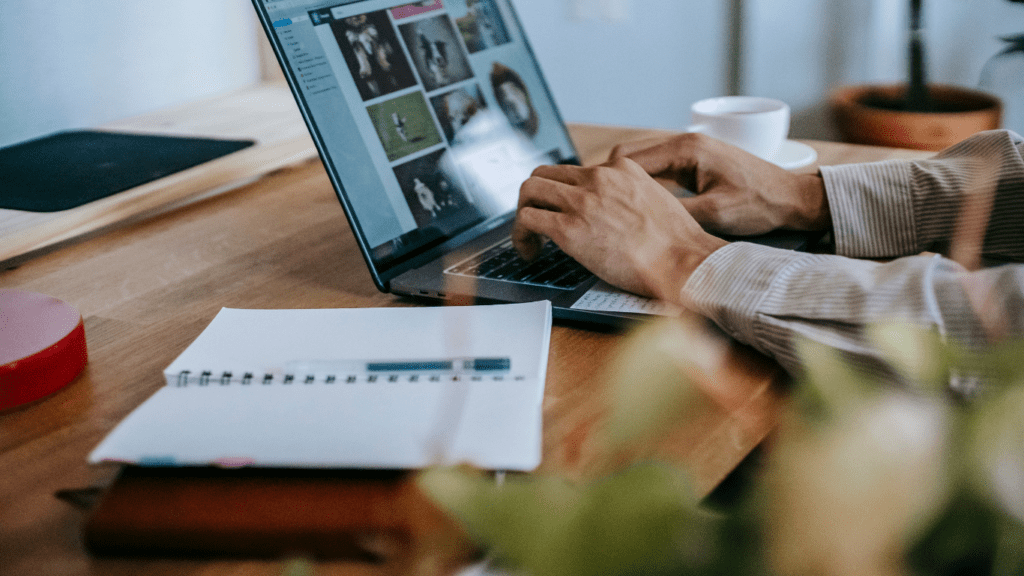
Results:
x,y
261,513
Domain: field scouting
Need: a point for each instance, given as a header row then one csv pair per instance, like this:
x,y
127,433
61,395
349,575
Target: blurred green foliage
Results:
x,y
862,477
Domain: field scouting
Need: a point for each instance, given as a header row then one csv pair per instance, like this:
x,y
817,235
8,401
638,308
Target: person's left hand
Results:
x,y
618,222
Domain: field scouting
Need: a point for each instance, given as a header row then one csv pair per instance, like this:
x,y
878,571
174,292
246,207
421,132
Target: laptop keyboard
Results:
x,y
553,268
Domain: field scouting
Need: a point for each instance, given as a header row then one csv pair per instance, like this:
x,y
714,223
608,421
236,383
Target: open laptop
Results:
x,y
428,117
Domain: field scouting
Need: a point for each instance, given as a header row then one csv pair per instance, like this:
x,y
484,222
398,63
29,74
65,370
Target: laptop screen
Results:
x,y
428,115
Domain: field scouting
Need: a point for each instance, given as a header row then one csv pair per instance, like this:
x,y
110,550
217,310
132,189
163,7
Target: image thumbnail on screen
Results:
x,y
433,197
513,95
436,52
456,108
370,47
483,27
404,125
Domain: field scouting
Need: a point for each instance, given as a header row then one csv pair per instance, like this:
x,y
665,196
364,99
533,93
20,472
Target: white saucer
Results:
x,y
794,154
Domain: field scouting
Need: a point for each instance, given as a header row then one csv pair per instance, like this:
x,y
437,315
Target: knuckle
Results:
x,y
694,140
526,192
620,163
557,235
526,222
534,187
605,172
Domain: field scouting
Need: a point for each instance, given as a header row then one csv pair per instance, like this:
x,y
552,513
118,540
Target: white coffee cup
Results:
x,y
757,125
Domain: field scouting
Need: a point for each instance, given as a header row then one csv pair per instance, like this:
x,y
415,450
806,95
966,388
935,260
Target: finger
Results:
x,y
545,194
564,173
677,159
672,158
531,225
627,148
526,242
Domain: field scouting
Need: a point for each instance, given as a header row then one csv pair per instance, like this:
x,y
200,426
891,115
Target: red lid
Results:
x,y
42,346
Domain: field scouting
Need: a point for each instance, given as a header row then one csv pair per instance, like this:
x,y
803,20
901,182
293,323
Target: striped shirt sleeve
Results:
x,y
769,298
898,208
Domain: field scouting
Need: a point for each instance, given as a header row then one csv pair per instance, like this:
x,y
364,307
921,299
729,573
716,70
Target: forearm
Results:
x,y
769,298
898,208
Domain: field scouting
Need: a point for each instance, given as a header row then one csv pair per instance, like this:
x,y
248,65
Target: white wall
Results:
x,y
642,68
70,64
799,50
645,70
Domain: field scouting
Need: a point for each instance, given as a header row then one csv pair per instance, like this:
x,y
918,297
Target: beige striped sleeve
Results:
x,y
898,208
768,297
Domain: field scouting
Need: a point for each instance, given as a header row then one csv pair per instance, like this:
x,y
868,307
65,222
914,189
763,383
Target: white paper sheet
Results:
x,y
492,420
604,297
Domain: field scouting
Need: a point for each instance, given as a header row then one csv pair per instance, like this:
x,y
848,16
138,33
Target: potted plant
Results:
x,y
916,114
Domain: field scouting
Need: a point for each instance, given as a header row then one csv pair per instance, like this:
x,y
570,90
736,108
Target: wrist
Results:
x,y
813,212
678,262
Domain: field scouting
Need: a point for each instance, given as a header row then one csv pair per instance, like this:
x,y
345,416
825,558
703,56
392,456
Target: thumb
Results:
x,y
673,159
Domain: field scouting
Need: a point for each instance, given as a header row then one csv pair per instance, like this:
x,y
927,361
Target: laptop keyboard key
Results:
x,y
552,268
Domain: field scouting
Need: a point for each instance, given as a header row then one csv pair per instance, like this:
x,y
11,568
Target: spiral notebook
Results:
x,y
384,388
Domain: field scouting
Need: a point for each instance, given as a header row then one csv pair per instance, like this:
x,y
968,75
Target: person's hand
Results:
x,y
737,192
618,222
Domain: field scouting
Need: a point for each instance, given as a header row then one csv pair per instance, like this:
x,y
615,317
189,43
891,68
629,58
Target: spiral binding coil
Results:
x,y
210,378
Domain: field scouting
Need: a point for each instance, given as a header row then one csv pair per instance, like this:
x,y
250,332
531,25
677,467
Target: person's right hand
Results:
x,y
737,193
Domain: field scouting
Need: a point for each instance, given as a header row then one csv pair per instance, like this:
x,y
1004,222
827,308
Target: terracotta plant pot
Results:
x,y
868,115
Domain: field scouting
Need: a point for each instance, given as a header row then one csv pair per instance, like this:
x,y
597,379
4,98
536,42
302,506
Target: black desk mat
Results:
x,y
68,169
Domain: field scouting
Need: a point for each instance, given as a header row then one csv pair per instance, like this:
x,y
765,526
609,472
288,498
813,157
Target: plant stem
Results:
x,y
917,87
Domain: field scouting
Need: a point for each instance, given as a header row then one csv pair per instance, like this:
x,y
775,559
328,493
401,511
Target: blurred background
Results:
x,y
70,64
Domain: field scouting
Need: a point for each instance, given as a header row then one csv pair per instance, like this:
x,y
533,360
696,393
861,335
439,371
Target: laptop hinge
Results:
x,y
469,235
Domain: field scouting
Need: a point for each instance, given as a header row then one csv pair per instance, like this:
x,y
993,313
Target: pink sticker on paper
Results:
x,y
415,9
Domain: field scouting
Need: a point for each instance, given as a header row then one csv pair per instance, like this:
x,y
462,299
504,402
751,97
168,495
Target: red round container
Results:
x,y
42,346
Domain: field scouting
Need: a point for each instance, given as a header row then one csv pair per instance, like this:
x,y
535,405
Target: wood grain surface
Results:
x,y
147,287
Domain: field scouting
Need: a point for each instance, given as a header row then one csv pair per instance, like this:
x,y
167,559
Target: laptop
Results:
x,y
428,117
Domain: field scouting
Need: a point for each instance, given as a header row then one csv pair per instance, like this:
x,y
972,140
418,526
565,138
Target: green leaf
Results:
x,y
643,520
651,382
517,518
829,387
997,444
918,353
962,540
845,495
1002,364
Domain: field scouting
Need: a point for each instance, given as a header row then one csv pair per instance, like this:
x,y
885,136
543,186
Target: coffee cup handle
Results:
x,y
699,128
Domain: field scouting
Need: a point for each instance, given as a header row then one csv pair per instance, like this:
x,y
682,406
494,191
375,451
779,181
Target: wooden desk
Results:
x,y
266,114
146,290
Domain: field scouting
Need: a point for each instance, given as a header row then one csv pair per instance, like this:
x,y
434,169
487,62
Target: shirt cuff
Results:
x,y
872,209
731,284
